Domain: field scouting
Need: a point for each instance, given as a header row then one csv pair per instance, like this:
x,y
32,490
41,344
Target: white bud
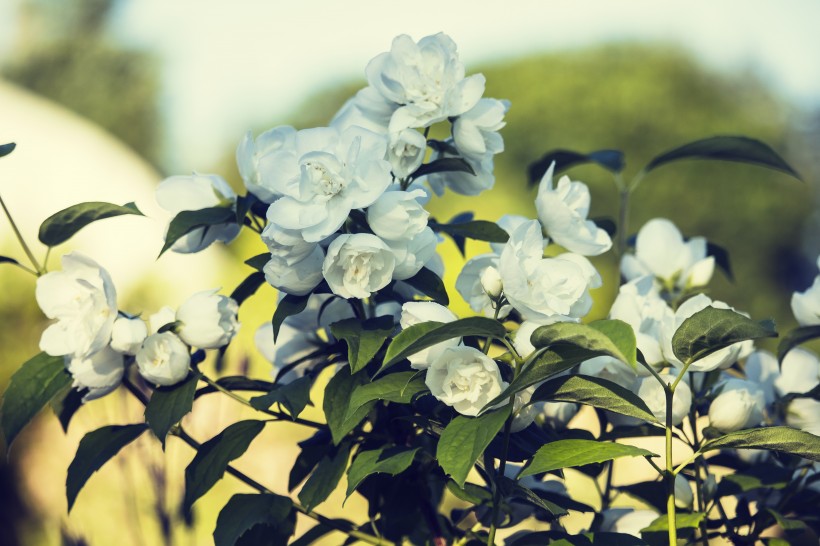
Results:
x,y
163,359
128,334
683,492
491,282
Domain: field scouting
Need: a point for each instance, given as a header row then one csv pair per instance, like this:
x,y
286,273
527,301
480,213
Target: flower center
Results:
x,y
324,181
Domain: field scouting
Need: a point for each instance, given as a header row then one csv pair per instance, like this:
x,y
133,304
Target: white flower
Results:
x,y
163,359
128,334
544,289
287,245
660,251
208,320
100,373
470,286
524,413
368,109
806,305
739,405
406,151
322,174
563,213
425,80
611,369
257,159
509,223
464,378
82,298
416,312
522,340
761,367
799,372
462,182
475,132
556,415
297,278
195,192
627,521
358,265
684,498
653,393
491,282
397,215
411,255
719,359
804,413
161,318
642,308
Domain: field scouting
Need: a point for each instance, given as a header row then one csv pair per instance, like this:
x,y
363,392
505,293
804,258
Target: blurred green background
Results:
x,y
640,98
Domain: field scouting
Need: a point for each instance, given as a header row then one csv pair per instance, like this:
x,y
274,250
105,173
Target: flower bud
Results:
x,y
491,282
740,405
683,492
208,320
709,487
128,334
163,359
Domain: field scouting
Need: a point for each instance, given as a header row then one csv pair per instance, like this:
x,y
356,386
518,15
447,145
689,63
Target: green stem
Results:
x,y
669,475
19,236
623,221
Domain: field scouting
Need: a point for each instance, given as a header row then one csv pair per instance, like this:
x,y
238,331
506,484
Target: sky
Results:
x,y
232,66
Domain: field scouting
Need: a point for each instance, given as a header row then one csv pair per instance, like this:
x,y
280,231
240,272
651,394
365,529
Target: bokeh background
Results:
x,y
106,97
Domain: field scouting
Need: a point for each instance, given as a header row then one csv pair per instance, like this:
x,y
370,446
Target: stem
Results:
x,y
623,220
669,475
699,494
19,236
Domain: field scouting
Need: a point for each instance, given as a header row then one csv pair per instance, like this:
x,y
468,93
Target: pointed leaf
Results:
x,y
721,256
259,261
571,453
237,383
726,148
444,164
188,220
394,460
311,536
782,439
682,521
6,149
426,334
480,230
796,337
514,489
337,402
364,339
712,329
245,511
294,396
212,459
429,284
595,392
248,287
587,539
464,439
31,387
400,388
611,160
287,306
325,477
95,449
168,405
61,226
612,337
7,260
66,405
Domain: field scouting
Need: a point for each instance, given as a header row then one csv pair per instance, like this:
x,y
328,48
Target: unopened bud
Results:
x,y
491,282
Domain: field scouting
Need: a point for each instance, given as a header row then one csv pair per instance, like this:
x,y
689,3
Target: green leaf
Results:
x,y
259,261
95,449
7,260
168,405
540,538
471,493
31,387
726,148
426,334
66,404
712,329
311,536
796,337
782,439
325,477
596,392
444,164
287,306
759,476
248,287
337,402
790,525
6,149
364,339
394,460
514,489
571,453
213,457
480,230
682,521
294,396
611,337
429,284
61,226
236,383
188,220
464,439
244,511
611,160
400,388
721,256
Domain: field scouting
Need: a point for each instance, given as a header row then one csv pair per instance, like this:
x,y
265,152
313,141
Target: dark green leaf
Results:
x,y
31,387
444,164
596,392
571,453
259,261
480,230
391,461
682,521
471,493
429,284
790,525
464,439
400,387
364,339
426,334
237,383
782,439
7,260
61,226
248,287
168,405
511,488
66,405
726,148
611,160
759,476
95,449
244,203
244,511
721,256
712,329
294,396
540,538
337,402
213,457
287,306
325,477
311,536
796,337
6,149
611,337
188,220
